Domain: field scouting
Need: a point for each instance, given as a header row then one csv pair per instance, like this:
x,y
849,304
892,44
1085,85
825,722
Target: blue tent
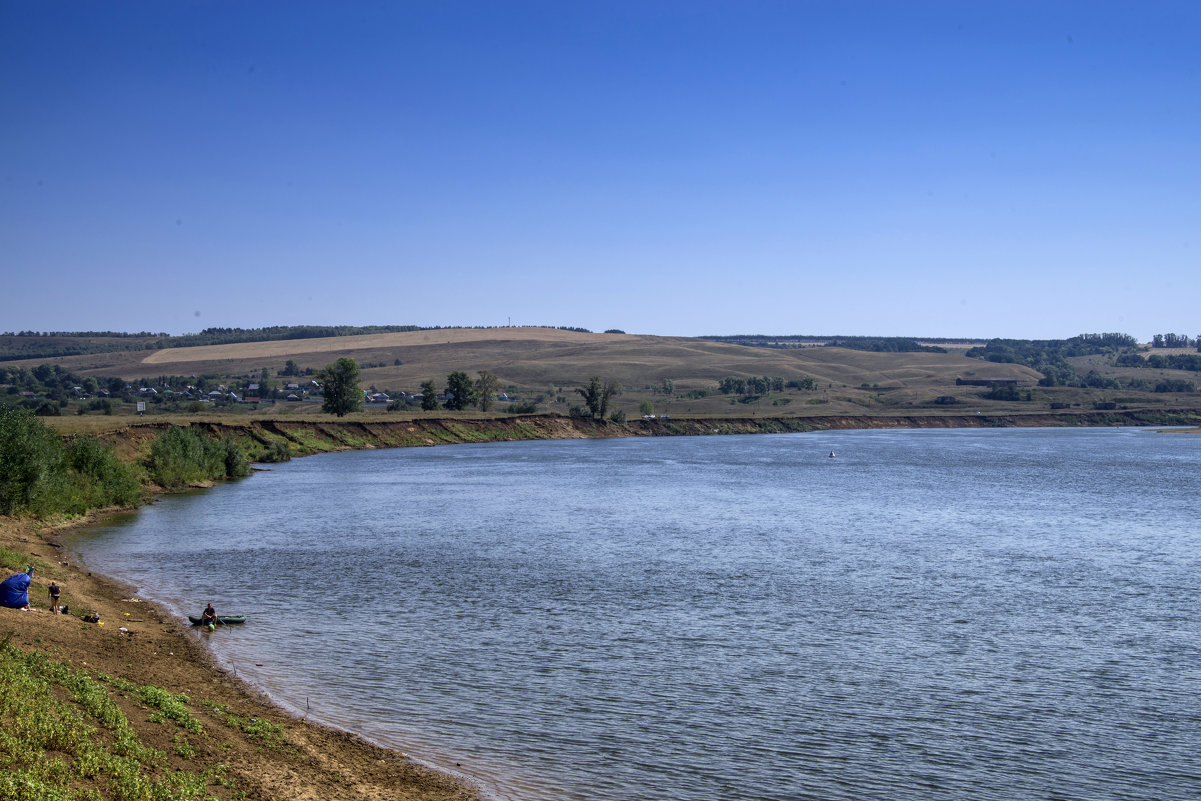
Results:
x,y
14,591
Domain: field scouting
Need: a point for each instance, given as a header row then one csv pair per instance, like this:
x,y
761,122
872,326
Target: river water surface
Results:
x,y
963,614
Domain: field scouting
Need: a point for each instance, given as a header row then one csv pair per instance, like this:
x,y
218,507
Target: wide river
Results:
x,y
963,614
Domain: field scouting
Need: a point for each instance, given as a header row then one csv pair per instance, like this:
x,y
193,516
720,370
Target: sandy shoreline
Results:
x,y
153,649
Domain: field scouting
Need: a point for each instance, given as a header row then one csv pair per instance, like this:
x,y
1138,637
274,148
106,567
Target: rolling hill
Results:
x,y
549,364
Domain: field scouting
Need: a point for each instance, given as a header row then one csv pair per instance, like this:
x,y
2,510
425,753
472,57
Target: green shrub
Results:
x,y
176,458
107,481
32,479
181,456
277,451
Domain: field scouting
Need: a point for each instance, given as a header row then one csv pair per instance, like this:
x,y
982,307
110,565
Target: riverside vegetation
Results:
x,y
42,474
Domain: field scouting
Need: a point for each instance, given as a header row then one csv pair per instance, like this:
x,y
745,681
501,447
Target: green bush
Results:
x,y
32,479
176,458
1175,385
40,475
107,481
277,451
523,407
48,408
181,456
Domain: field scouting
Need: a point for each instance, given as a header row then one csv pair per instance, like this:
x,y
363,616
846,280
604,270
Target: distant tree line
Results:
x,y
227,336
1170,361
761,385
1031,352
1175,385
1175,341
877,344
884,345
209,336
341,393
1049,356
54,349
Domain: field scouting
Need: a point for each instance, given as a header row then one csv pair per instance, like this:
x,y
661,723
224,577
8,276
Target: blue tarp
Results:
x,y
14,591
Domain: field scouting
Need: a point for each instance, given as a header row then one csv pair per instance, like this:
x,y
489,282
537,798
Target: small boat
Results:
x,y
222,620
831,454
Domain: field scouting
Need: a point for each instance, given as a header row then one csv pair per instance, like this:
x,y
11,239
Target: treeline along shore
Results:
x,y
132,706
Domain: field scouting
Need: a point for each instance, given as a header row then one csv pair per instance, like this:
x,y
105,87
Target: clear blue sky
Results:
x,y
1014,169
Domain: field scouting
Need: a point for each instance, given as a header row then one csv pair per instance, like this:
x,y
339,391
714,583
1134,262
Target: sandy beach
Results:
x,y
143,645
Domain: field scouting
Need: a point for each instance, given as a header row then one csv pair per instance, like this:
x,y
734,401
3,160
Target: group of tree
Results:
x,y
56,349
462,392
883,345
753,385
46,388
1161,361
761,385
1175,341
875,344
597,395
49,387
84,334
291,368
342,394
1050,356
1034,352
46,379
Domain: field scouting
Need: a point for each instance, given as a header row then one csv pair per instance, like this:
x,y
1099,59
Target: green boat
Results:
x,y
222,620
